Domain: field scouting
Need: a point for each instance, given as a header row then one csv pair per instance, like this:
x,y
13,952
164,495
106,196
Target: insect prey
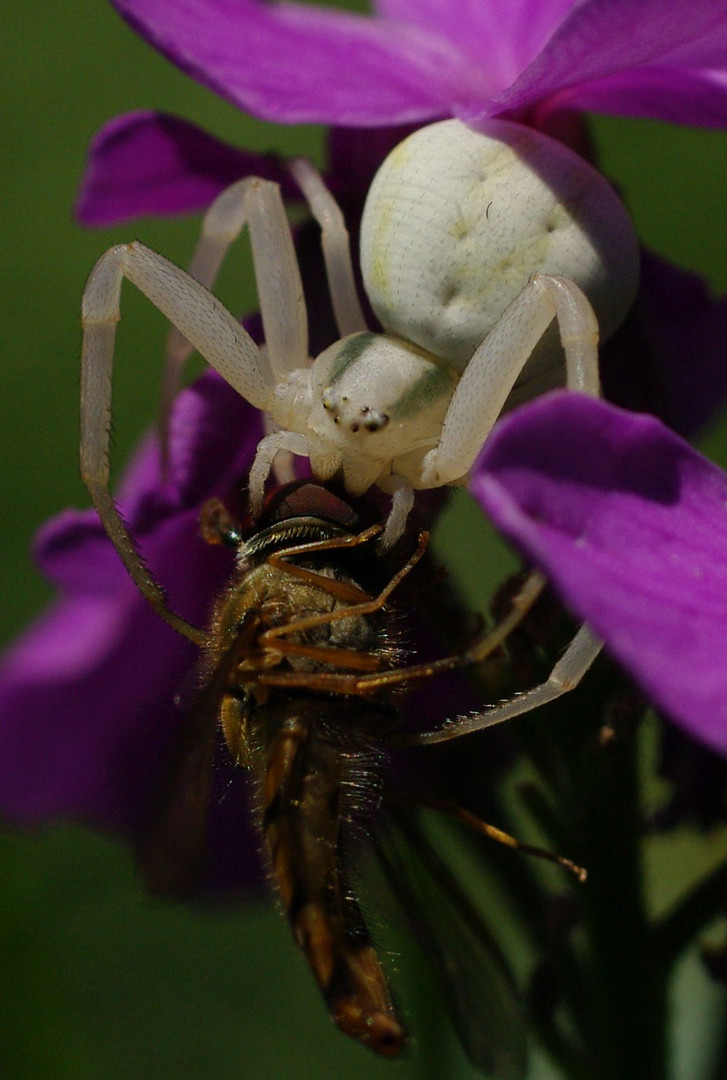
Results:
x,y
304,668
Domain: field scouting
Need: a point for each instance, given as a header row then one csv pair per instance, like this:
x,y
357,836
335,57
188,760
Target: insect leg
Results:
x,y
366,607
475,654
476,824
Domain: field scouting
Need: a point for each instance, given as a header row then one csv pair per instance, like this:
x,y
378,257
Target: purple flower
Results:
x,y
416,60
668,357
633,541
151,163
630,524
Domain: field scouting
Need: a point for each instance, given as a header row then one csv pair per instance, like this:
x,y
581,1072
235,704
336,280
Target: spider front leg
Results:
x,y
259,205
495,366
565,676
277,442
475,406
211,329
402,503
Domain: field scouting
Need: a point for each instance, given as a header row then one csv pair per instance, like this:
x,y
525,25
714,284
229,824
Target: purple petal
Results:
x,y
295,63
71,542
631,525
501,39
413,63
668,358
600,38
679,96
153,163
75,737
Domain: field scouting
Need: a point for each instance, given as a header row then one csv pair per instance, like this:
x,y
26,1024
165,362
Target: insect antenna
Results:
x,y
492,832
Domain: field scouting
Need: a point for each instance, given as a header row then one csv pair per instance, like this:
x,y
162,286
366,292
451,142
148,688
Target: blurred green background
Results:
x,y
96,980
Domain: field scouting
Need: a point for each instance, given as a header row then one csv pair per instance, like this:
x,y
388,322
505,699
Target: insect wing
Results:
x,y
480,993
171,852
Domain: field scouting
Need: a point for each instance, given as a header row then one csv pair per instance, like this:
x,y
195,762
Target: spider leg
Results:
x,y
402,501
565,676
206,323
491,374
336,247
267,450
258,204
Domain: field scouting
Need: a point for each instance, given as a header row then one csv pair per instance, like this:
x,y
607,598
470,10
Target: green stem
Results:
x,y
619,1004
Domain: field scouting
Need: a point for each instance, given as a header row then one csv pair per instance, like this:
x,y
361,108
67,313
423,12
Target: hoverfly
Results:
x,y
303,667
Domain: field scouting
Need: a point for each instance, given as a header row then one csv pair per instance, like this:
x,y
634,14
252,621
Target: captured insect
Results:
x,y
302,668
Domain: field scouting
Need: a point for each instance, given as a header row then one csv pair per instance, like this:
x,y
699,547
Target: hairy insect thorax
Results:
x,y
295,615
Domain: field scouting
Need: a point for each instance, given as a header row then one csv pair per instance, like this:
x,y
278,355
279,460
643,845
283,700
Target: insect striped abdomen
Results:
x,y
304,793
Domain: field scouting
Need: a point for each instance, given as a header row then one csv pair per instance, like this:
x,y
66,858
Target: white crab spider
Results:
x,y
472,243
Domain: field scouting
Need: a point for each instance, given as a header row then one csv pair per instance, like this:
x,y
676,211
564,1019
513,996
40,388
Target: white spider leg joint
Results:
x,y
203,321
199,322
258,204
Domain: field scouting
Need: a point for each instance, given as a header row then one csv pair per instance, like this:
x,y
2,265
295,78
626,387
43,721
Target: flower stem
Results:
x,y
617,993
